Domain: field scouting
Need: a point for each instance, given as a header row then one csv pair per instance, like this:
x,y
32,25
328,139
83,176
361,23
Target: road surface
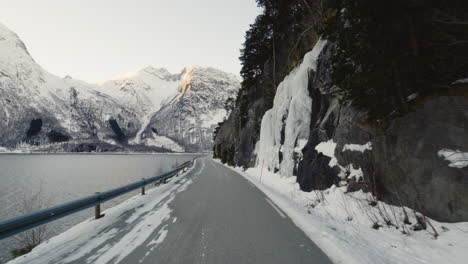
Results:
x,y
223,218
213,216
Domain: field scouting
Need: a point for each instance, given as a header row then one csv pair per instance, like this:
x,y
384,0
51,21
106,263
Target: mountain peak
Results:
x,y
12,43
161,73
152,69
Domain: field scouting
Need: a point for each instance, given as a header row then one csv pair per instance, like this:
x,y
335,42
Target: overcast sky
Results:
x,y
93,40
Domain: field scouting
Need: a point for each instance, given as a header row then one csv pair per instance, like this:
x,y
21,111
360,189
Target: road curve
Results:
x,y
222,218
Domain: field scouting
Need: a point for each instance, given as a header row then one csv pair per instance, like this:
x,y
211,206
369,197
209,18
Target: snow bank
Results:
x,y
341,223
461,81
357,147
286,125
456,158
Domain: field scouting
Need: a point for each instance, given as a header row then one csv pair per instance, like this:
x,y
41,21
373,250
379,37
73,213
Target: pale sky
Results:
x,y
93,40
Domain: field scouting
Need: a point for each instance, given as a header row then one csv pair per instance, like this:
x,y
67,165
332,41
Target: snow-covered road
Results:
x,y
210,215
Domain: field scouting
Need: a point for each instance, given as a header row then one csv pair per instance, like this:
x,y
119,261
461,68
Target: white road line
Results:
x,y
214,165
251,184
276,208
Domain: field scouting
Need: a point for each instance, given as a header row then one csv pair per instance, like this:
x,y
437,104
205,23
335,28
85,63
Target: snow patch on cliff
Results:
x,y
328,149
349,171
456,158
461,81
357,147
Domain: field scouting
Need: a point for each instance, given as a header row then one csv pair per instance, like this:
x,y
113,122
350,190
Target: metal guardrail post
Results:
x,y
143,188
97,211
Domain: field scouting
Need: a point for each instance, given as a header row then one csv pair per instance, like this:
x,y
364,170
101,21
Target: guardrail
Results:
x,y
23,223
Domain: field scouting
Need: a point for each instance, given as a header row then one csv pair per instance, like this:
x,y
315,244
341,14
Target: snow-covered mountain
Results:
x,y
191,117
144,90
177,111
40,108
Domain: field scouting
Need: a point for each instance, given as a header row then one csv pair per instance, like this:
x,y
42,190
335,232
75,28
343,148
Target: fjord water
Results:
x,y
31,182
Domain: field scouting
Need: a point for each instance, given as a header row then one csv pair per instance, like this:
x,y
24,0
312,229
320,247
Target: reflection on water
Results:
x,y
54,179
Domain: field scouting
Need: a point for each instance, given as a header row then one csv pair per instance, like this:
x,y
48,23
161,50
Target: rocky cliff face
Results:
x,y
423,158
401,161
191,116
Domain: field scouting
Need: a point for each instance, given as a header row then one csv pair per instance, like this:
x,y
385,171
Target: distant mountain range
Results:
x,y
146,110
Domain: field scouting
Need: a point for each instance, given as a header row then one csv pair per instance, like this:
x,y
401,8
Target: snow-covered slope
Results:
x,y
177,111
191,117
144,90
23,89
40,108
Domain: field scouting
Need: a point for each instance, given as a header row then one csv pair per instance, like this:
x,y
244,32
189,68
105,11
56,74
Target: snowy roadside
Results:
x,y
341,224
124,228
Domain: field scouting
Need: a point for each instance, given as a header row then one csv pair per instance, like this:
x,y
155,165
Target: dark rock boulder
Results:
x,y
120,136
57,137
408,165
34,128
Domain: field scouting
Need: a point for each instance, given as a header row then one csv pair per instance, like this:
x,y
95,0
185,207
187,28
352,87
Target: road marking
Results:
x,y
214,165
251,184
201,169
276,208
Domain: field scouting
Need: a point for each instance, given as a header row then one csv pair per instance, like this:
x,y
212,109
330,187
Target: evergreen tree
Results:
x,y
387,51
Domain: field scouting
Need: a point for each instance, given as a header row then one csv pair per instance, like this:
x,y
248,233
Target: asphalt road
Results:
x,y
223,218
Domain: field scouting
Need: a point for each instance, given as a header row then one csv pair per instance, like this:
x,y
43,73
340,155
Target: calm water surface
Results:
x,y
31,182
